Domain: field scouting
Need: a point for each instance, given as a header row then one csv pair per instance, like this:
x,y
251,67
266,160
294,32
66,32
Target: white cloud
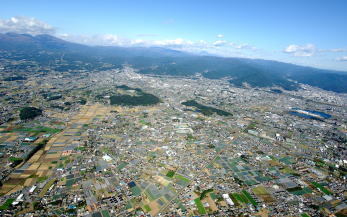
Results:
x,y
116,40
103,40
300,50
309,50
220,43
220,36
344,58
242,46
174,42
25,25
219,47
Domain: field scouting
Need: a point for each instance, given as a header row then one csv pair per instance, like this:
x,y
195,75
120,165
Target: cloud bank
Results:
x,y
25,25
218,47
302,51
309,50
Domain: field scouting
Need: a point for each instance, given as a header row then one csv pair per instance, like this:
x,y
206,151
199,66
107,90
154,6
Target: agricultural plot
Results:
x,y
200,206
46,187
239,198
7,204
243,198
300,191
263,194
35,130
146,208
181,180
321,188
136,191
242,172
156,193
41,163
250,198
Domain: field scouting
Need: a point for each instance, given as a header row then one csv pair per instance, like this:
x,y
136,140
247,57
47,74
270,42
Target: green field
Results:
x,y
146,208
39,129
236,202
260,190
7,203
41,179
304,215
322,188
13,159
240,197
200,206
180,177
80,148
250,198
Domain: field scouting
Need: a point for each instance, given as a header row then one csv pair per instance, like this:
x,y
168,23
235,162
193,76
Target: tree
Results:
x,y
29,113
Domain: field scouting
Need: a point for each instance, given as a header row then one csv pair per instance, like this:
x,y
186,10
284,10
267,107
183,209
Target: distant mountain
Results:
x,y
46,49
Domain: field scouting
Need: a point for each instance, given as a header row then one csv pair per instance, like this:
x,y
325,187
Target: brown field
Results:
x,y
33,166
263,194
210,201
154,208
35,157
29,182
15,181
12,138
15,189
6,188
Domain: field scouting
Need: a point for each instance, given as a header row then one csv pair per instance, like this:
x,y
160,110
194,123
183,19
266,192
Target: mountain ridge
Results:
x,y
159,60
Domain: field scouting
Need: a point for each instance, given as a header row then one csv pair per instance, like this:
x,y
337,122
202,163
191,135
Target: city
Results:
x,y
150,108
166,158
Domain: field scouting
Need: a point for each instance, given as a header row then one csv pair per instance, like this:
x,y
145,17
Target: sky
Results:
x,y
304,32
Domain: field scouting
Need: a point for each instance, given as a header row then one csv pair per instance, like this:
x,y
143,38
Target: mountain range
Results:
x,y
45,49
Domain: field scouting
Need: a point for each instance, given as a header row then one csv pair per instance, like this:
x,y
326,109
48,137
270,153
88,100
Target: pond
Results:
x,y
309,114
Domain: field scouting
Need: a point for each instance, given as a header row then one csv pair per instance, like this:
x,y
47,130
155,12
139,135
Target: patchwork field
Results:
x,y
40,165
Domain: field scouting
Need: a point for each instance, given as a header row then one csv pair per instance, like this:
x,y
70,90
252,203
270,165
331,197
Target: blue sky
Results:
x,y
306,32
